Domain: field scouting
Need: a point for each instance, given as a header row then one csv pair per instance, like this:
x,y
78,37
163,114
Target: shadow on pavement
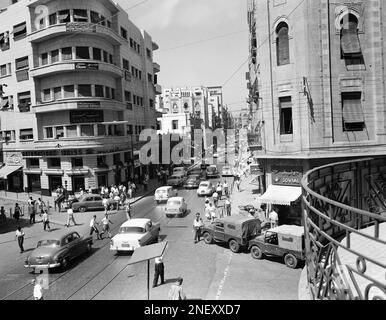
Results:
x,y
12,225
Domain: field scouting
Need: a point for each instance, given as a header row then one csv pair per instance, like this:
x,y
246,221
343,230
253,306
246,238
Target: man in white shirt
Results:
x,y
106,225
212,211
274,218
46,221
38,290
197,227
215,196
105,203
94,228
159,271
70,217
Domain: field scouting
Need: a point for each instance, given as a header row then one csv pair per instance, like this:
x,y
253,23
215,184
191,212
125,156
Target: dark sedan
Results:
x,y
90,202
193,182
57,251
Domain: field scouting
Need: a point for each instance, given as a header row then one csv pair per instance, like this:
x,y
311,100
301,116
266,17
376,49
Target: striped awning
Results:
x,y
7,170
281,195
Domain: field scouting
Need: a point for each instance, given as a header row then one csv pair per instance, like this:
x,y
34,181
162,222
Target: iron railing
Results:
x,y
344,207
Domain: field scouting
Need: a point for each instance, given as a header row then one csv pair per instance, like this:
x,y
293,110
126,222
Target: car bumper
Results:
x,y
43,266
161,199
120,248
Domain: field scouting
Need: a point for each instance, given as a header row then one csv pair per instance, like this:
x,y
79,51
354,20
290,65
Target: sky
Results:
x,y
173,24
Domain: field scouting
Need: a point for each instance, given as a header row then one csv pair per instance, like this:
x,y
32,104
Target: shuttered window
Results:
x,y
26,134
282,44
353,115
64,16
22,63
20,31
80,15
349,40
286,125
54,56
67,53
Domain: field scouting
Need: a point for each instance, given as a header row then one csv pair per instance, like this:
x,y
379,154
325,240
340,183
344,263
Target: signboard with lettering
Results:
x,y
80,27
86,116
287,176
14,159
86,66
89,105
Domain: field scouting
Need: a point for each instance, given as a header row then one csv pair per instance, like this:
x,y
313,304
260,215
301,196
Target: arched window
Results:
x,y
282,44
349,38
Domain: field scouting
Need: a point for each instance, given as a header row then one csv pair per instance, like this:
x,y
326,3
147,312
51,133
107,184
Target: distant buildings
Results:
x,y
79,85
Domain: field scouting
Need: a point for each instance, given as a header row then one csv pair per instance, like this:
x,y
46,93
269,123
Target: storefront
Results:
x,y
11,173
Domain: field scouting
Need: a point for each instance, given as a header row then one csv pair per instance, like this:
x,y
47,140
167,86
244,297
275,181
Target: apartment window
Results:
x,y
33,163
4,41
131,43
102,21
64,16
26,134
52,19
87,130
57,93
82,53
54,56
140,74
97,54
108,23
286,125
349,38
54,163
72,131
77,162
24,99
47,95
148,53
129,129
107,92
84,90
44,59
101,130
105,56
175,124
141,101
80,15
9,135
112,93
101,161
149,77
59,132
49,132
124,33
125,64
151,103
69,91
99,91
5,70
111,60
282,44
353,115
67,53
22,63
20,31
127,96
42,23
94,17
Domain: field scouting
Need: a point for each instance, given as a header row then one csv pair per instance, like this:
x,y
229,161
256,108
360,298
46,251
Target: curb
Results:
x,y
303,289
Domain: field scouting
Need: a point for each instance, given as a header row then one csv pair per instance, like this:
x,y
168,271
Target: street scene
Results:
x,y
207,150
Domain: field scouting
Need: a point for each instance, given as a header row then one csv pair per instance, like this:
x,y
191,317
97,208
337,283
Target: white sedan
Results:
x,y
135,233
206,188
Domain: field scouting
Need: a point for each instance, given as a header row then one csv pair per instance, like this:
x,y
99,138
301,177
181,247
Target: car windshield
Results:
x,y
174,203
161,191
48,243
131,230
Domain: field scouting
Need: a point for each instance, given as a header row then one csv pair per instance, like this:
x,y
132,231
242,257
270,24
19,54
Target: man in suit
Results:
x,y
159,271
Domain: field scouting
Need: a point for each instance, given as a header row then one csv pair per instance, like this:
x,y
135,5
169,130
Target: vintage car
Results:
x,y
193,182
164,193
195,172
176,180
211,171
179,171
54,251
176,207
227,171
135,233
235,230
205,188
91,202
285,241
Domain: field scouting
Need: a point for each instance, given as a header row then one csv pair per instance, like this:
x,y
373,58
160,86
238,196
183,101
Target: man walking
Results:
x,y
226,189
105,203
176,292
94,228
106,225
31,210
70,217
159,271
197,227
20,238
215,197
46,221
274,218
228,207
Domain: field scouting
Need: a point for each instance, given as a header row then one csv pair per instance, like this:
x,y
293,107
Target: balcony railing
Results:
x,y
345,230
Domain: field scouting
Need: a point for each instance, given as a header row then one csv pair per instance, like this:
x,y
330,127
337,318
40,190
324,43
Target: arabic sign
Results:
x,y
86,116
86,66
80,27
89,105
287,176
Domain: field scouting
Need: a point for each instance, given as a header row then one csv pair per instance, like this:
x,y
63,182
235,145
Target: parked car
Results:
x,y
193,182
176,206
164,193
211,171
176,180
195,172
179,171
227,171
235,230
54,251
135,233
285,241
206,188
90,202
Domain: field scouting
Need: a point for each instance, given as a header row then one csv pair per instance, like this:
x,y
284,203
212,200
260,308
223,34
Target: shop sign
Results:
x,y
287,176
14,159
80,27
86,116
86,66
89,105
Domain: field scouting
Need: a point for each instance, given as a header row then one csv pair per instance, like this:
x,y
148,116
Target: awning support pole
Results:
x,y
148,279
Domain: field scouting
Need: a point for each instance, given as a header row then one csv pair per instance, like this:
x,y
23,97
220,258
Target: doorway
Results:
x,y
78,183
34,183
54,182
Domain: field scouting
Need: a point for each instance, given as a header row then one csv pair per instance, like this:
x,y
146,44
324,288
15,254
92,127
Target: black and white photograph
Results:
x,y
216,152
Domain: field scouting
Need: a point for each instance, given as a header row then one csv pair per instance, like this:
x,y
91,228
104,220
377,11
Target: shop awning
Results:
x,y
7,170
281,195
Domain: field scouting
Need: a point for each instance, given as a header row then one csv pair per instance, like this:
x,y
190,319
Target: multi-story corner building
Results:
x,y
79,86
316,72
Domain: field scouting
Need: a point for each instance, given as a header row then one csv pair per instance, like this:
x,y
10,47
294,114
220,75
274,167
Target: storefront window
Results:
x,y
54,163
87,130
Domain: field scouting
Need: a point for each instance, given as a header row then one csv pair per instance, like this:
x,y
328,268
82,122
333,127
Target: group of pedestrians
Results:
x,y
212,208
105,222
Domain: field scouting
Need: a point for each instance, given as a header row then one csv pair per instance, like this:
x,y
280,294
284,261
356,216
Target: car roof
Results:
x,y
164,188
176,199
236,219
296,231
136,223
58,235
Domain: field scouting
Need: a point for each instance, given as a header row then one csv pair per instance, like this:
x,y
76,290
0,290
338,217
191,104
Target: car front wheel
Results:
x,y
256,253
290,261
82,209
208,239
234,246
64,263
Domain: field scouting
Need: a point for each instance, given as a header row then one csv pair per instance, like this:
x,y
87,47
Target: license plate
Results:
x,y
125,245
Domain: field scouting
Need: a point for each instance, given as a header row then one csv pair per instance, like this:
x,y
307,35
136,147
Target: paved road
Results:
x,y
209,271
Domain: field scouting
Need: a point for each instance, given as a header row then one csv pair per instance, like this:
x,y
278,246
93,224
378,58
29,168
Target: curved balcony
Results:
x,y
77,65
79,103
345,230
74,28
